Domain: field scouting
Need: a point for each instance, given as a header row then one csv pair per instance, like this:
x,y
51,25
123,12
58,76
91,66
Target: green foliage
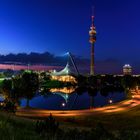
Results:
x,y
54,83
92,80
6,88
24,85
48,127
30,84
81,80
13,128
129,81
2,75
9,106
17,88
44,76
1,81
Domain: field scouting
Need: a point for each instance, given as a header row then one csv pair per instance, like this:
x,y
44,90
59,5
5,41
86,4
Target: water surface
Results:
x,y
69,99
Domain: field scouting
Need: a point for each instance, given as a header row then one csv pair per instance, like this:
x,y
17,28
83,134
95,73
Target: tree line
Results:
x,y
28,83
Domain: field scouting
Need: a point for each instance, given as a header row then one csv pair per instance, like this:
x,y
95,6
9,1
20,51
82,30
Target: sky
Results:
x,y
59,26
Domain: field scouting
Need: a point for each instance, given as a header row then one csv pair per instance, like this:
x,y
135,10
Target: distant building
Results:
x,y
127,69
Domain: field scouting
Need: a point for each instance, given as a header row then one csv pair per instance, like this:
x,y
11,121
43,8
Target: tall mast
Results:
x,y
92,40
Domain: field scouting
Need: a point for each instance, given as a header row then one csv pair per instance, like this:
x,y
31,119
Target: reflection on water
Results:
x,y
73,98
66,90
63,92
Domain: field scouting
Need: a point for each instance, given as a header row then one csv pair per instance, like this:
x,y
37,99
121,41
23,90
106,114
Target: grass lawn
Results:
x,y
14,127
1,80
125,120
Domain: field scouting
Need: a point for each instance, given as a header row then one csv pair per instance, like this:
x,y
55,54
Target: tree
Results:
x,y
44,76
17,91
6,88
30,83
9,104
81,80
128,81
92,81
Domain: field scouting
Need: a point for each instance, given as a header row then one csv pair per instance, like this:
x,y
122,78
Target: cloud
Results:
x,y
108,66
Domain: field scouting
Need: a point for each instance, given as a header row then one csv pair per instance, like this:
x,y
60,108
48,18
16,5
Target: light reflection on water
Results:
x,y
56,97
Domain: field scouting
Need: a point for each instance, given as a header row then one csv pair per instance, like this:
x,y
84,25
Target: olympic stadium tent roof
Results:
x,y
65,71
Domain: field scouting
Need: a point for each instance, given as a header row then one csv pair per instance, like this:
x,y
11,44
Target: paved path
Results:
x,y
121,106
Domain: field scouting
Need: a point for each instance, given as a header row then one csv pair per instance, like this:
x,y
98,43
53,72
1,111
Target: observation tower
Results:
x,y
92,40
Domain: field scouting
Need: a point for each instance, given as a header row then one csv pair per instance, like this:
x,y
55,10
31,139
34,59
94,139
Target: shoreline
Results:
x,y
112,108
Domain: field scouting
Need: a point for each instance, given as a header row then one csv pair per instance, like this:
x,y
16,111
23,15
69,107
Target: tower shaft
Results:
x,y
92,40
92,60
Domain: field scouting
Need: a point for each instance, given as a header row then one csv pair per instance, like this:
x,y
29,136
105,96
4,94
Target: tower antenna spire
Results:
x,y
93,14
93,10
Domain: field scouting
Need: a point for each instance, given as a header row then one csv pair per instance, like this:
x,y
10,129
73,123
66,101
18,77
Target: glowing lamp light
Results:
x,y
63,104
133,96
1,104
110,101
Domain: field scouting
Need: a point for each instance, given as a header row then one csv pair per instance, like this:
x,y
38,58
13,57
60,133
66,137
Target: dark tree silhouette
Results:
x,y
30,82
7,88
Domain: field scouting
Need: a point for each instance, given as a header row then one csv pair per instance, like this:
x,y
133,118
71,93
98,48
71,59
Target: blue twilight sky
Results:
x,y
59,26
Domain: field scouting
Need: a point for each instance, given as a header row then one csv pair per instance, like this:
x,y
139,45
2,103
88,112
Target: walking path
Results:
x,y
121,106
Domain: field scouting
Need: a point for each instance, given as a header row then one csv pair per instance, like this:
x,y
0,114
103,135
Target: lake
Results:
x,y
69,99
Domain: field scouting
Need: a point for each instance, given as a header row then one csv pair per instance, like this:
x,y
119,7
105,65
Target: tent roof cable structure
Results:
x,y
66,70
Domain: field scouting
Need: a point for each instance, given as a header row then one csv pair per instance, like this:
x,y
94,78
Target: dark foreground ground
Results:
x,y
120,126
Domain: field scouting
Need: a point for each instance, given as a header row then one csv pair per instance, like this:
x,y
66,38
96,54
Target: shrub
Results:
x,y
47,127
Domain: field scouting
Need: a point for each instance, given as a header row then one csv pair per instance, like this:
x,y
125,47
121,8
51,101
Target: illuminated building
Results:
x,y
92,40
127,69
64,75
